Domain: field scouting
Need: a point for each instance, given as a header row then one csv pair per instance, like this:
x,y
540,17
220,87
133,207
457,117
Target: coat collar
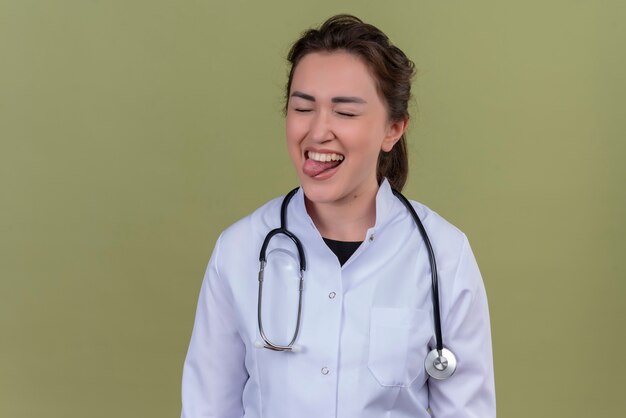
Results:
x,y
386,207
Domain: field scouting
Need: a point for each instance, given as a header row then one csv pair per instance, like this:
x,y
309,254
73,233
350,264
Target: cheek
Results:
x,y
366,139
293,129
293,141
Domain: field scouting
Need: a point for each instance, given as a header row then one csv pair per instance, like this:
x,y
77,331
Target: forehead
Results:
x,y
333,73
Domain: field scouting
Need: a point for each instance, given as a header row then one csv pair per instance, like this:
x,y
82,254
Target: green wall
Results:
x,y
133,132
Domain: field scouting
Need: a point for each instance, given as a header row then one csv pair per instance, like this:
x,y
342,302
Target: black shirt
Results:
x,y
342,249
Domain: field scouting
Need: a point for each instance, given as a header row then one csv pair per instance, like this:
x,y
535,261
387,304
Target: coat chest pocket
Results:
x,y
398,344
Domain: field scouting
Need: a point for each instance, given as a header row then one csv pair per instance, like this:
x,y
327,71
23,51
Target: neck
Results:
x,y
345,220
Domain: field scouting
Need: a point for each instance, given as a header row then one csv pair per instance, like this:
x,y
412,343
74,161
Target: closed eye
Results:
x,y
302,110
346,114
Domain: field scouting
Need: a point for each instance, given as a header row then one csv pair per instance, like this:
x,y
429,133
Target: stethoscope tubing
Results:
x,y
263,260
433,268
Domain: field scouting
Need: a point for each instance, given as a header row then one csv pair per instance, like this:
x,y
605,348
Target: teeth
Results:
x,y
323,157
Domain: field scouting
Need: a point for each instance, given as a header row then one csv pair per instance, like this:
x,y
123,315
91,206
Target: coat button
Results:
x,y
332,295
325,370
372,237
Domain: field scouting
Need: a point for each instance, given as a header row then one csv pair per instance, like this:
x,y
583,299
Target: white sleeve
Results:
x,y
470,391
214,373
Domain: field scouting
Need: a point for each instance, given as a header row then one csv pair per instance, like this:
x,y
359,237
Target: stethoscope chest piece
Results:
x,y
440,365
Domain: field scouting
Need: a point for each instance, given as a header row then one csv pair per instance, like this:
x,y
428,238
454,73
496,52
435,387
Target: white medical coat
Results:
x,y
366,326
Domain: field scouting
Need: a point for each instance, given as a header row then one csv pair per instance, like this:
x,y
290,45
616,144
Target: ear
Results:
x,y
394,132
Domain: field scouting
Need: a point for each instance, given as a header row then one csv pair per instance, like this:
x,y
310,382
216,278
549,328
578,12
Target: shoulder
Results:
x,y
459,271
451,248
438,228
243,231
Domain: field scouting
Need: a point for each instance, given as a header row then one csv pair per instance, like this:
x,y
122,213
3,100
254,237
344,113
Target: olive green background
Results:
x,y
133,132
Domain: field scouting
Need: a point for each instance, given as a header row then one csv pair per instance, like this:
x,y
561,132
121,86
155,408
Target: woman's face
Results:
x,y
336,126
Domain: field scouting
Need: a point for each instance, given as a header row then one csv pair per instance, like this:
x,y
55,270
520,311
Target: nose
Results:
x,y
321,127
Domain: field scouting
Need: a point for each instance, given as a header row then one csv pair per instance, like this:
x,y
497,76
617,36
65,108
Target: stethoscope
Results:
x,y
440,363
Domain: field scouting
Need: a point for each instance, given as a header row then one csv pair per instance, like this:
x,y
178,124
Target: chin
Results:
x,y
321,192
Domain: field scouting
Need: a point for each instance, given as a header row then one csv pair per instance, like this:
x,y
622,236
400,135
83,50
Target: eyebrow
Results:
x,y
339,99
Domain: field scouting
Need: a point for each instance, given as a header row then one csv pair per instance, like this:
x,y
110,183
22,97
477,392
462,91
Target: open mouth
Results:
x,y
317,163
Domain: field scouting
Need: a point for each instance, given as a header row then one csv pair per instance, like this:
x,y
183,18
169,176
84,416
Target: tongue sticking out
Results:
x,y
313,168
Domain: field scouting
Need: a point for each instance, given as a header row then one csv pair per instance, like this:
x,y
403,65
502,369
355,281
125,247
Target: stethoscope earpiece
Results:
x,y
440,364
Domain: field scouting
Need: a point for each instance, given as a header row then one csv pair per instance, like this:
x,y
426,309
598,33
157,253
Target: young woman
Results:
x,y
336,312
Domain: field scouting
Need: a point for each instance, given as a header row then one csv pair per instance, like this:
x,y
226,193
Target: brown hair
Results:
x,y
390,67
